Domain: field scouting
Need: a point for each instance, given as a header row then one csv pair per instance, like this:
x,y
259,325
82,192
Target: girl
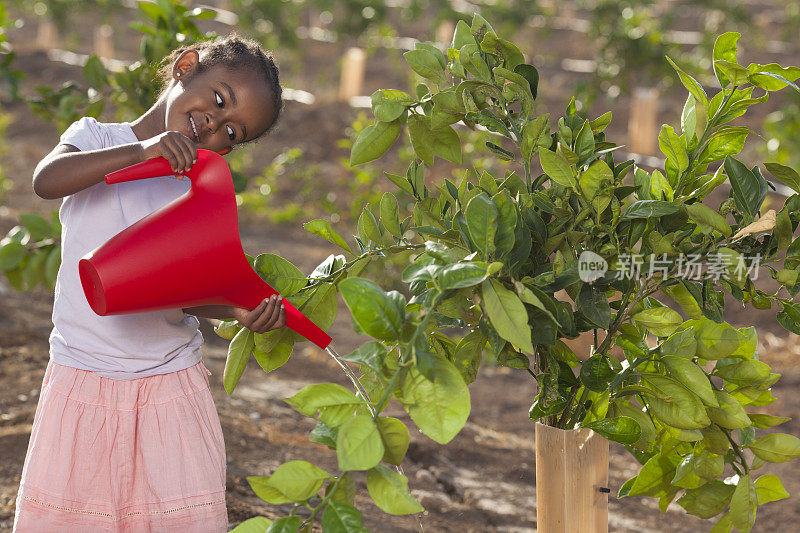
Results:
x,y
126,436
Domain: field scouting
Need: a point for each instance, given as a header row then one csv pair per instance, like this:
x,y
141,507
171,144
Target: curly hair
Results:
x,y
232,51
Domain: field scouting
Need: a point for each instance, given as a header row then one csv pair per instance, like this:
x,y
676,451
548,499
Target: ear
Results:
x,y
224,151
185,64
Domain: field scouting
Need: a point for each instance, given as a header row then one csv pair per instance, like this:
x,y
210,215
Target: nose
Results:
x,y
210,122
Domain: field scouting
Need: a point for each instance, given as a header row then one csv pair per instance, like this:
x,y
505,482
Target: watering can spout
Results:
x,y
142,269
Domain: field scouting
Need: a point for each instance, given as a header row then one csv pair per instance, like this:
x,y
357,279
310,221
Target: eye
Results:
x,y
219,99
231,134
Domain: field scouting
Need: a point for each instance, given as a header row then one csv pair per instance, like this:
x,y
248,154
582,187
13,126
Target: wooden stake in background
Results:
x,y
352,80
103,44
642,124
46,35
571,468
444,33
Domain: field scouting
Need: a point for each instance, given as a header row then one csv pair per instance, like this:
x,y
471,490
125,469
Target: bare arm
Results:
x,y
67,170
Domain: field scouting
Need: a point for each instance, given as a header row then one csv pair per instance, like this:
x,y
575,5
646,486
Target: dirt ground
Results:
x,y
482,481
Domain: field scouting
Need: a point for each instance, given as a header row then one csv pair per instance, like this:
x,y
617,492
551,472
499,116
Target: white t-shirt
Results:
x,y
121,346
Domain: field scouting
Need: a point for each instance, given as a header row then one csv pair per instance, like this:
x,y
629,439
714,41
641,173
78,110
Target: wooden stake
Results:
x,y
103,44
571,468
352,79
643,121
444,33
46,35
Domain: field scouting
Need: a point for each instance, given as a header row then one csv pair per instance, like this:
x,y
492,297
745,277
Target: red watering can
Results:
x,y
187,253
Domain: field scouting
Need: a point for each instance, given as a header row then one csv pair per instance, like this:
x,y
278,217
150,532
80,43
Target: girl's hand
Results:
x,y
270,314
177,148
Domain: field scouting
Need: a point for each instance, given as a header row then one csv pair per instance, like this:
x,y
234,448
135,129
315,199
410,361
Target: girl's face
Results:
x,y
217,108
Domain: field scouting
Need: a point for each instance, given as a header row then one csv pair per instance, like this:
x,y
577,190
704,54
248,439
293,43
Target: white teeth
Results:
x,y
194,129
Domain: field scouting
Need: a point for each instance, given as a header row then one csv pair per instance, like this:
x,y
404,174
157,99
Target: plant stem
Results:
x,y
310,520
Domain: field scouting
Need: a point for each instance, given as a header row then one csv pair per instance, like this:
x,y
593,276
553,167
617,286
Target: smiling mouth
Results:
x,y
194,129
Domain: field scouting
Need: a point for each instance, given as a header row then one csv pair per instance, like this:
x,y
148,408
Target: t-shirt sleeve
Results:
x,y
84,134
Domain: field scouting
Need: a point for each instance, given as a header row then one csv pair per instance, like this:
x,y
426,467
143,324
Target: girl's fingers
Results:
x,y
182,152
268,316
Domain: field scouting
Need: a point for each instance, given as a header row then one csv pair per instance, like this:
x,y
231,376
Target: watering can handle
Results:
x,y
153,168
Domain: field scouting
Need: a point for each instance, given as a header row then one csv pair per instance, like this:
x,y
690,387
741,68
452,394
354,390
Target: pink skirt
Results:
x,y
132,456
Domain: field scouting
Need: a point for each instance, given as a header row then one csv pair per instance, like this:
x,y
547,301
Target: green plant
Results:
x,y
9,77
489,254
30,253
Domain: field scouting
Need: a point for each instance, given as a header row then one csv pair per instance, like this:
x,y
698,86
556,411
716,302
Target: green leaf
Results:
x,y
660,321
620,429
482,215
297,480
507,314
286,524
506,223
787,175
52,265
692,376
281,274
730,414
654,476
707,501
378,313
371,354
534,135
440,408
395,437
239,351
340,517
426,64
674,148
11,255
649,208
682,409
767,421
368,226
389,491
374,141
324,229
747,189
708,219
725,49
334,403
769,489
460,275
556,167
596,373
772,77
726,141
257,524
594,306
389,104
95,73
776,447
743,505
593,178
358,444
227,329
37,226
694,88
428,142
389,216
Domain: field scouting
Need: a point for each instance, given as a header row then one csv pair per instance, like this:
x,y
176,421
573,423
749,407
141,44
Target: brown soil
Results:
x,y
482,481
